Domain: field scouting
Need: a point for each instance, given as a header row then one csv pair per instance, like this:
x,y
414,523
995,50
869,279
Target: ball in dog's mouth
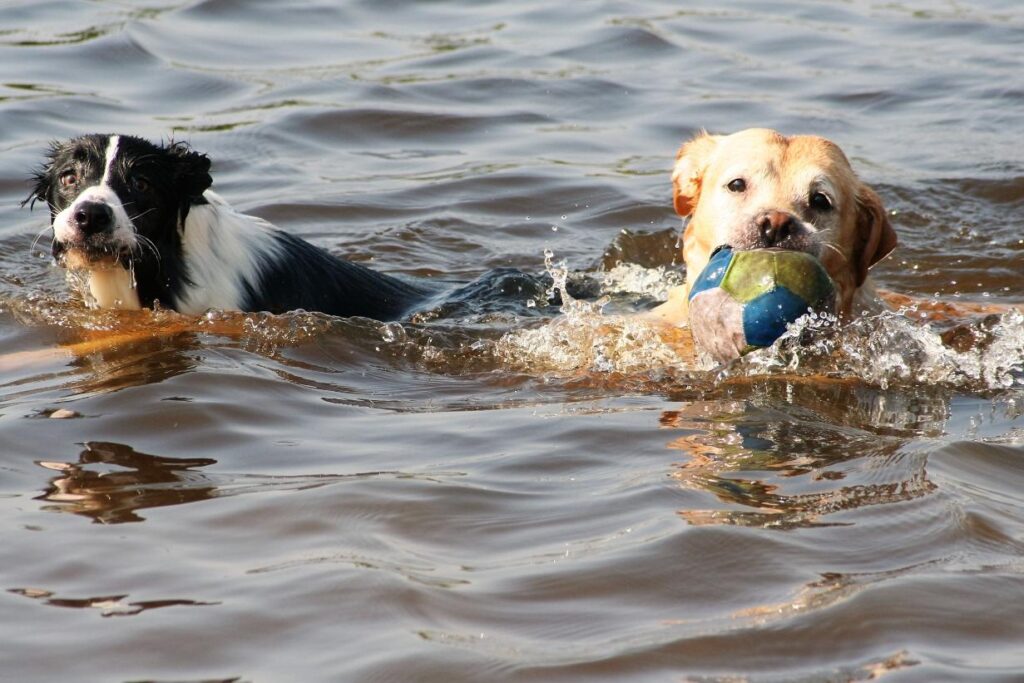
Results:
x,y
744,300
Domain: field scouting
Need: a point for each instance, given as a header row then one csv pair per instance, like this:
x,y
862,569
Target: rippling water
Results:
x,y
505,488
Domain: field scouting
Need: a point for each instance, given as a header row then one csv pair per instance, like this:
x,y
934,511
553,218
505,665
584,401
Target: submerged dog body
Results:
x,y
140,220
759,189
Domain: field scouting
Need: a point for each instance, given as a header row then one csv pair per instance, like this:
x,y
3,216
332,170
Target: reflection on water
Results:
x,y
107,605
779,482
111,482
785,469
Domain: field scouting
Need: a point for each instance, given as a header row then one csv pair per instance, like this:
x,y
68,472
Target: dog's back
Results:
x,y
305,276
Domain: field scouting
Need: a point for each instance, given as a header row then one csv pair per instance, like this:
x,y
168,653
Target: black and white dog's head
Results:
x,y
116,198
118,205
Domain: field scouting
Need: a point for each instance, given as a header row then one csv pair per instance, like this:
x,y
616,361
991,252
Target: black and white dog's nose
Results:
x,y
93,217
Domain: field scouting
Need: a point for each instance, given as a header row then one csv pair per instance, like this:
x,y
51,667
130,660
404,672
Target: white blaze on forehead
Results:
x,y
111,155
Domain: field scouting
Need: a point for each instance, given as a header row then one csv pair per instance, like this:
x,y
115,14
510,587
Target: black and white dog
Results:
x,y
140,220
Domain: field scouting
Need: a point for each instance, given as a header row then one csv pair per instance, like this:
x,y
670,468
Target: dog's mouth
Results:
x,y
806,242
809,246
89,255
812,248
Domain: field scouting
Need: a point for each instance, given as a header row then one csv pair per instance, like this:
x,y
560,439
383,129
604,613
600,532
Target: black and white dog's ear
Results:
x,y
42,181
40,191
193,170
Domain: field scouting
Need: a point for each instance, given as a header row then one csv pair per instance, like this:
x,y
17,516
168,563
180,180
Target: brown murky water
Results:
x,y
484,494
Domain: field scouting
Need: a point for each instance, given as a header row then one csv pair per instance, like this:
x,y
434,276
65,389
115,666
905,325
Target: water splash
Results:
x,y
632,278
585,339
890,349
894,348
392,332
885,350
261,332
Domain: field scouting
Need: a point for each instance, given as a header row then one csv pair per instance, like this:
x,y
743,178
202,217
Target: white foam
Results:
x,y
631,278
890,348
884,349
584,339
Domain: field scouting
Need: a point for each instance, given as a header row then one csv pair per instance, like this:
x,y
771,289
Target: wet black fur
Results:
x,y
310,278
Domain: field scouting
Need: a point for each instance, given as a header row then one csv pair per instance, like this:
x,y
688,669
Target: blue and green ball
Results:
x,y
745,300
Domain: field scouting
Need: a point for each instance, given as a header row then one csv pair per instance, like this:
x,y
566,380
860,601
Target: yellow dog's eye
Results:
x,y
737,185
821,202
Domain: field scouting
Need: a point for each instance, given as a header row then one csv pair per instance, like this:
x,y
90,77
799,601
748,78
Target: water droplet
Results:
x,y
392,332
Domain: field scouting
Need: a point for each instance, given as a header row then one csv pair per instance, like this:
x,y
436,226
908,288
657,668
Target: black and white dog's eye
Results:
x,y
737,185
140,184
820,202
68,178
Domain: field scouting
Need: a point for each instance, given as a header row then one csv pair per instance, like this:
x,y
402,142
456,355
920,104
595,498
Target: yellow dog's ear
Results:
x,y
691,162
875,236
